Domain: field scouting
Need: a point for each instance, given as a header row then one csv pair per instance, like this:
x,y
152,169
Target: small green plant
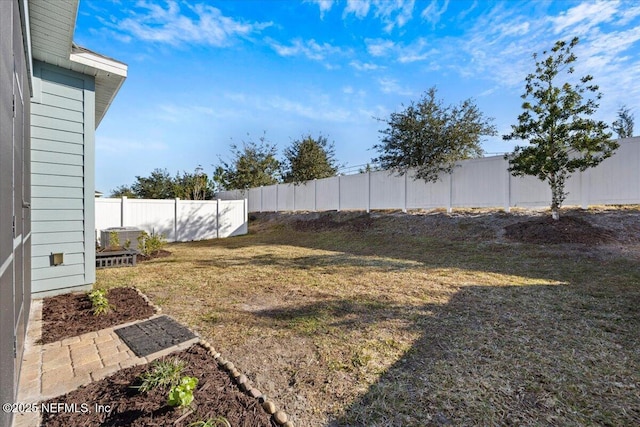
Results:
x,y
182,394
148,244
163,373
114,239
99,302
127,244
218,421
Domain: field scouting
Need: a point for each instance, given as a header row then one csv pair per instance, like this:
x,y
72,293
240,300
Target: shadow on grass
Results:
x,y
494,355
511,355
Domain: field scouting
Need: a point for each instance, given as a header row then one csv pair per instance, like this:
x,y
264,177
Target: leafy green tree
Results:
x,y
123,191
159,185
309,158
624,125
555,121
193,186
431,137
253,165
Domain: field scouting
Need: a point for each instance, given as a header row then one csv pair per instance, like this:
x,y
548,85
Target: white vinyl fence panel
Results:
x,y
475,183
178,220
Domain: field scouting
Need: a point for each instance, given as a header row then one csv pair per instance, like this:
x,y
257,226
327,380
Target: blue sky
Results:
x,y
204,74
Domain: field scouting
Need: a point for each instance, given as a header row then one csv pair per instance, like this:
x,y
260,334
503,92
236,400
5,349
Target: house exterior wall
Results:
x,y
62,162
15,292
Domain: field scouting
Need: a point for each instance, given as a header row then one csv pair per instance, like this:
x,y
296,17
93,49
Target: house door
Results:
x,y
18,228
14,163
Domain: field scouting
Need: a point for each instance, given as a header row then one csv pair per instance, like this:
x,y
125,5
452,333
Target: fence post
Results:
x,y
405,192
294,197
368,191
123,201
218,218
315,195
507,191
175,219
261,197
450,202
339,195
245,215
277,195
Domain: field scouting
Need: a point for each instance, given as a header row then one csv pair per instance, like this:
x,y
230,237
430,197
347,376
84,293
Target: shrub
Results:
x,y
163,373
150,244
99,302
114,239
182,394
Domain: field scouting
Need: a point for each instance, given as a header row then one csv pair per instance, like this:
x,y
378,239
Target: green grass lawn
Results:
x,y
412,322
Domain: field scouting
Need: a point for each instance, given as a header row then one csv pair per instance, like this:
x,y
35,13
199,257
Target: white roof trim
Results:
x,y
99,62
27,33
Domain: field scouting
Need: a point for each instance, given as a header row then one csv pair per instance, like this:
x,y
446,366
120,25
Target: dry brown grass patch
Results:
x,y
418,319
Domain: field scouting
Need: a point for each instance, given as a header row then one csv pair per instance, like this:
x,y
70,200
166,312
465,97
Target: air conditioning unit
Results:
x,y
127,237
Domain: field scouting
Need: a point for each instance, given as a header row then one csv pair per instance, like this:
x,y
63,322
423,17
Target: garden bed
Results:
x,y
114,401
69,315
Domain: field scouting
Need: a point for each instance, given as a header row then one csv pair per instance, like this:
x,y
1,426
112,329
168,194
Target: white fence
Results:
x,y
178,220
483,182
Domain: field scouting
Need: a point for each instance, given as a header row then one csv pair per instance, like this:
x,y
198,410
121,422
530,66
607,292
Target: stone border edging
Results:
x,y
157,309
244,384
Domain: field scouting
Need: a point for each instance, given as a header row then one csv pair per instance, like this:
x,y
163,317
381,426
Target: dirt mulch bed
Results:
x,y
69,315
216,395
334,221
567,229
157,254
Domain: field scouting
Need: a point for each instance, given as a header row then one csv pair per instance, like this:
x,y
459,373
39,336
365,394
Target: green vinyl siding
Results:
x,y
42,262
60,203
57,135
57,158
56,215
71,114
56,169
58,124
46,250
61,102
56,226
62,162
46,191
56,146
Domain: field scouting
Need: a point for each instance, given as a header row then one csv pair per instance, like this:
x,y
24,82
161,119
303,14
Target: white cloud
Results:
x,y
308,48
360,8
498,47
394,13
204,25
181,113
324,5
118,145
418,50
320,109
389,85
580,19
364,66
379,47
432,13
322,112
465,12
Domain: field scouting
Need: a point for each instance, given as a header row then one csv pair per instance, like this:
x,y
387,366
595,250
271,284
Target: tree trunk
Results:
x,y
557,194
